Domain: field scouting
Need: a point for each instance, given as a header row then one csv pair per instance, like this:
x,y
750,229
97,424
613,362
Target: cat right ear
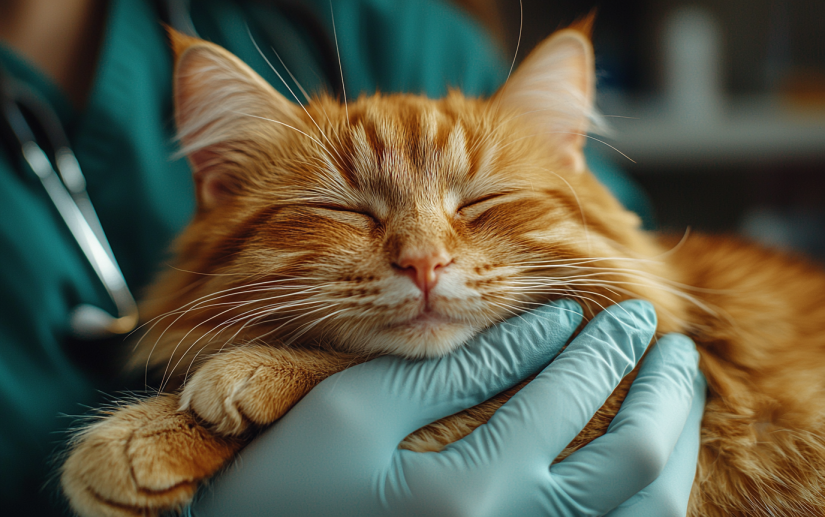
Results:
x,y
552,91
225,114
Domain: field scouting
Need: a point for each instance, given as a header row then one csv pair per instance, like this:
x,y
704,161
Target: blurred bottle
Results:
x,y
693,66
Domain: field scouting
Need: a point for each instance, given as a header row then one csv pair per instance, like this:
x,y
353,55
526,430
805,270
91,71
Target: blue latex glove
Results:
x,y
335,452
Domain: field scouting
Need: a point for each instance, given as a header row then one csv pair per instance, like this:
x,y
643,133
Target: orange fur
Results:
x,y
289,273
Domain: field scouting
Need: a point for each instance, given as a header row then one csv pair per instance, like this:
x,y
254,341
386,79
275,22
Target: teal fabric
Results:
x,y
123,139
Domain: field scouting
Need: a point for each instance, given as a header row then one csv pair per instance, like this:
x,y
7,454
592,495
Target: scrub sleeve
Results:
x,y
124,140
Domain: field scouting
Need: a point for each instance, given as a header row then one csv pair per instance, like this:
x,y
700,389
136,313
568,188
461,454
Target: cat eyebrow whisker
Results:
x,y
290,127
338,51
271,67
297,83
248,31
585,135
518,42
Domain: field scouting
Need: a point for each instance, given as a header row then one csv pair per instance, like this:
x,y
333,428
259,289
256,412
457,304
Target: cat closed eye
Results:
x,y
478,201
348,210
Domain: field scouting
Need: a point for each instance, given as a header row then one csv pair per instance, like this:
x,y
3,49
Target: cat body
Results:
x,y
332,233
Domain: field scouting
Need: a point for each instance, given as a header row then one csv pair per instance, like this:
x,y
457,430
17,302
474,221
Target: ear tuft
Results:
x,y
585,24
180,42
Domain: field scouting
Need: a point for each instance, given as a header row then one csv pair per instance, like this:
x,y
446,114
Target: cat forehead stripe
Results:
x,y
417,145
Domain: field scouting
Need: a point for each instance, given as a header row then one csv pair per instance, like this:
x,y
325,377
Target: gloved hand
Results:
x,y
335,452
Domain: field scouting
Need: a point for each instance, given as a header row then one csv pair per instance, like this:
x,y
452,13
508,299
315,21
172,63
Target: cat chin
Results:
x,y
421,340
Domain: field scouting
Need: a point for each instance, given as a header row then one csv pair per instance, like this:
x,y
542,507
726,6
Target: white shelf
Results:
x,y
747,130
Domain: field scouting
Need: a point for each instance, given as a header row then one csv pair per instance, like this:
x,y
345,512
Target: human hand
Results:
x,y
668,495
336,451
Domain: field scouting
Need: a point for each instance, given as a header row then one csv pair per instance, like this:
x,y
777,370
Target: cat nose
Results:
x,y
423,268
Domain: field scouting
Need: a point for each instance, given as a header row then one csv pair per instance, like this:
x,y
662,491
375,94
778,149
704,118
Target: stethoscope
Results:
x,y
59,172
65,185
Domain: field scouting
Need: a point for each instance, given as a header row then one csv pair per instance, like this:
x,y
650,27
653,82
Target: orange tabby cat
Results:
x,y
398,224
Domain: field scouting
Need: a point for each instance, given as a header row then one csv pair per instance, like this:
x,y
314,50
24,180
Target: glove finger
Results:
x,y
640,439
670,492
567,393
405,395
507,459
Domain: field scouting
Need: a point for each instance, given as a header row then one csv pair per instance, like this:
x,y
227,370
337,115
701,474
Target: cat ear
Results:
x,y
224,113
553,88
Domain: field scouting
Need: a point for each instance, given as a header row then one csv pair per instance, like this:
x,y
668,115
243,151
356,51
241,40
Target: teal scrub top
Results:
x,y
124,141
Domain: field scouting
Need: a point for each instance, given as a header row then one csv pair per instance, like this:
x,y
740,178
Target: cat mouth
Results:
x,y
426,319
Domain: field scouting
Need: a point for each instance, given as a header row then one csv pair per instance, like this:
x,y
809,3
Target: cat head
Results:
x,y
393,223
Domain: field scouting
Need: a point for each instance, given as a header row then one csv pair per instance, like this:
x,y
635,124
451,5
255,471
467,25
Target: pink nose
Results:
x,y
423,268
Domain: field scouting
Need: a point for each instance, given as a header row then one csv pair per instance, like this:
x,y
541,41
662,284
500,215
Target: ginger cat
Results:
x,y
397,224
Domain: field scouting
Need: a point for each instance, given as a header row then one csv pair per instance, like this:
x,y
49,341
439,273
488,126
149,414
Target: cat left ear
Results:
x,y
553,91
226,116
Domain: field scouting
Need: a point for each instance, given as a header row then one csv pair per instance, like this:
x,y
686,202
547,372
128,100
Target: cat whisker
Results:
x,y
297,83
231,338
578,202
538,289
587,260
212,297
638,273
323,134
338,51
518,41
585,135
676,246
271,310
189,332
309,327
318,142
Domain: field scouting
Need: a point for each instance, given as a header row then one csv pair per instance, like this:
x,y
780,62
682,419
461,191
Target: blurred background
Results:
x,y
720,104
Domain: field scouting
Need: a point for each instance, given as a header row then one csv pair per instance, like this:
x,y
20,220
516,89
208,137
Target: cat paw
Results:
x,y
142,460
249,386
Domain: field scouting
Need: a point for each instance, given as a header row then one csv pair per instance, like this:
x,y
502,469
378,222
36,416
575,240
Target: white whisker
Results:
x,y
338,50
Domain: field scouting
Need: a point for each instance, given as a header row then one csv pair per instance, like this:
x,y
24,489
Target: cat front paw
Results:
x,y
250,385
143,459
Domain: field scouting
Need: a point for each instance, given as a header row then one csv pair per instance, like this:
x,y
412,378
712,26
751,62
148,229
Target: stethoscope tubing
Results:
x,y
67,192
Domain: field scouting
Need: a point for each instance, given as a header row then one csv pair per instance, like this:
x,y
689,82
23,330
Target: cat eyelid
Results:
x,y
479,200
340,208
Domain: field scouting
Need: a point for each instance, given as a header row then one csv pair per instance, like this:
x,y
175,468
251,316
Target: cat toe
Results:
x,y
246,386
145,459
